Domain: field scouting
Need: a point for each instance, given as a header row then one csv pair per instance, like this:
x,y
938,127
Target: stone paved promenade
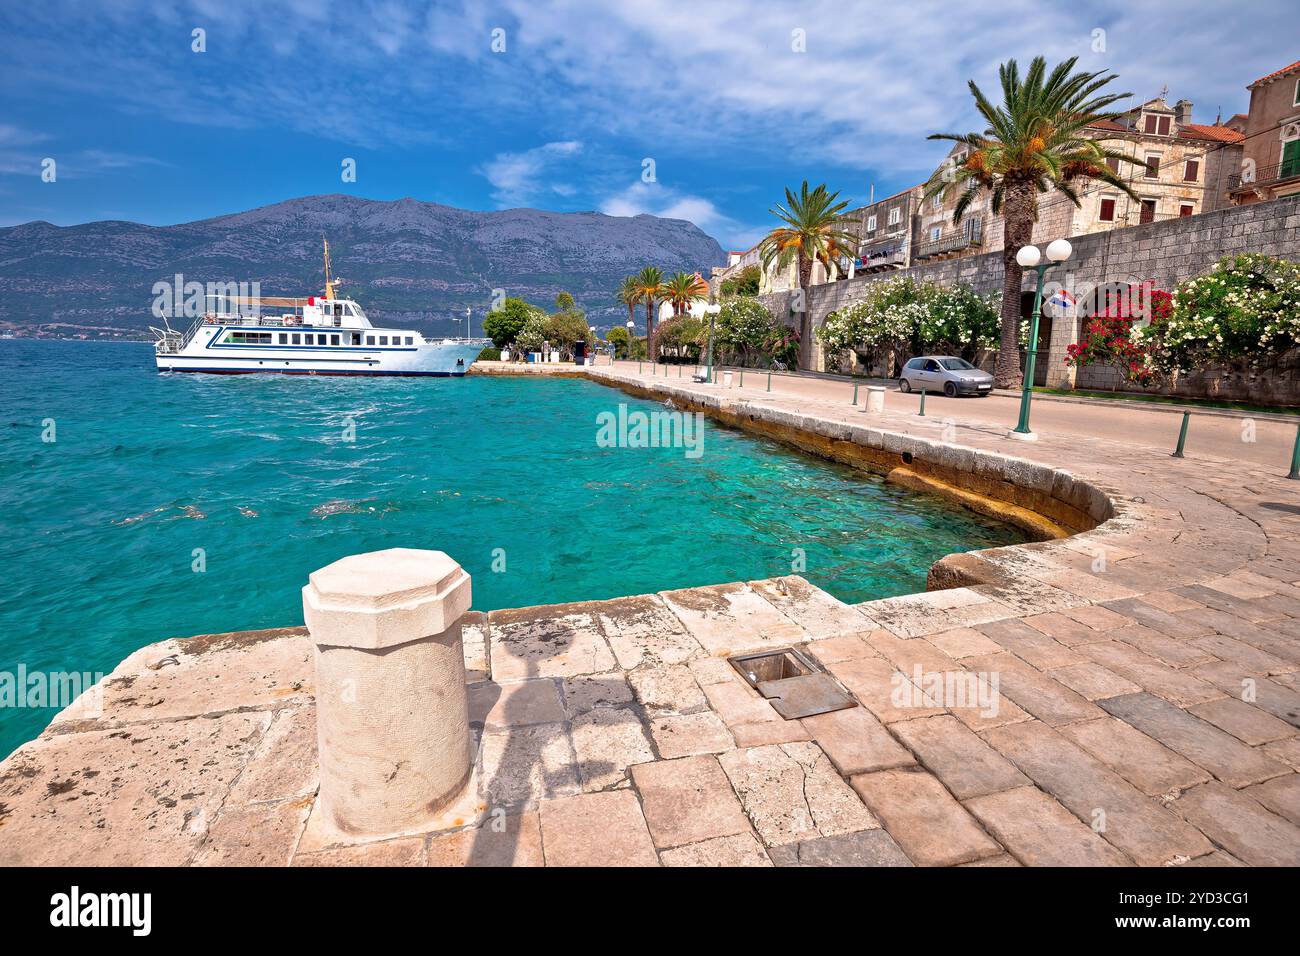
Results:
x,y
1147,710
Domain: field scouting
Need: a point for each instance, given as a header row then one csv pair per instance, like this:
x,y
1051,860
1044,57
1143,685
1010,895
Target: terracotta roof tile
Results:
x,y
1275,74
1219,134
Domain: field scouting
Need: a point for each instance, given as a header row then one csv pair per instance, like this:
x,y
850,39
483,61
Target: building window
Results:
x,y
1191,171
1164,126
1148,211
871,224
1107,213
937,201
1153,166
1290,159
935,233
893,216
1113,163
1185,209
1295,100
1150,120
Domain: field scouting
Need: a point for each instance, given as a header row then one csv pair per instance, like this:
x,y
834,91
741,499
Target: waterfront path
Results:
x,y
1146,708
1265,439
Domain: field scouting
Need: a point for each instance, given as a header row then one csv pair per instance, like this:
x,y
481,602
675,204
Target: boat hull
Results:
x,y
211,352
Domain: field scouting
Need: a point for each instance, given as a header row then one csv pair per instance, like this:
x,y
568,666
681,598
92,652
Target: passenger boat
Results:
x,y
316,335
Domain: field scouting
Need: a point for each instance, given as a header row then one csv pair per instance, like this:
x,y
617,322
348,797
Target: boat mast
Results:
x,y
329,283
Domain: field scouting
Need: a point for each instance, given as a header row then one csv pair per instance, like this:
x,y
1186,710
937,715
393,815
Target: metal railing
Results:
x,y
968,237
1264,176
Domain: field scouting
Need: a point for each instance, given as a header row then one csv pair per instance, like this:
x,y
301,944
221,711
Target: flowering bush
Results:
x,y
903,314
1112,338
1247,309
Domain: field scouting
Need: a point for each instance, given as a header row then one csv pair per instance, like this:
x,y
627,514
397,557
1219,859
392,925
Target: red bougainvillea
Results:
x,y
1108,337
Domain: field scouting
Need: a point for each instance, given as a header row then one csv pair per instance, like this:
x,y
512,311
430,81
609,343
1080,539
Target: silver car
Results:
x,y
944,373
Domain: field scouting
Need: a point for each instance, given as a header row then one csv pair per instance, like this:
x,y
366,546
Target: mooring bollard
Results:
x,y
742,379
1182,436
875,403
922,411
392,721
1295,456
855,394
769,381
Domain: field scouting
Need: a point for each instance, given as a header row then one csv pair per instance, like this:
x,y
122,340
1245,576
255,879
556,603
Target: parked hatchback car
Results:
x,y
944,373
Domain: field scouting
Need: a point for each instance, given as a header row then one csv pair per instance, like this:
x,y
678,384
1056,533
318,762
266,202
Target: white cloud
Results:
x,y
522,177
655,199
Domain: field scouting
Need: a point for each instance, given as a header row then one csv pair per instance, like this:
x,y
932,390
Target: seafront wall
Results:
x,y
1165,253
1044,502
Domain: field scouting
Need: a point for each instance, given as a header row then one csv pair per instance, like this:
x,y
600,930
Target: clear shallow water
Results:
x,y
98,529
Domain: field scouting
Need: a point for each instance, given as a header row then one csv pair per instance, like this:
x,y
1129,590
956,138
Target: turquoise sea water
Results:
x,y
98,529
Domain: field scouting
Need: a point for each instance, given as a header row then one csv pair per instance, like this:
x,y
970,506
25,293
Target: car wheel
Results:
x,y
950,389
904,385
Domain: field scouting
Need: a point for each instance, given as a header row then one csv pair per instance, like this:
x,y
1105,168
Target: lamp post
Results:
x,y
712,309
1058,250
631,326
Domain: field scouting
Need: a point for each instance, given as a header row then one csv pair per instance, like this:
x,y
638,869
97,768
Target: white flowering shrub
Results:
x,y
906,315
1247,309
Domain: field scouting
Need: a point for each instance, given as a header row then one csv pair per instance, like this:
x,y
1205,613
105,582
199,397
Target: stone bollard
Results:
x,y
875,403
392,720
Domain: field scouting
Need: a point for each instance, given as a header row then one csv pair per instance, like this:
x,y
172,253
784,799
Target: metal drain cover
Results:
x,y
792,683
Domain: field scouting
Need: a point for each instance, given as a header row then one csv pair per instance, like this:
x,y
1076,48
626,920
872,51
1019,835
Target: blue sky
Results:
x,y
715,92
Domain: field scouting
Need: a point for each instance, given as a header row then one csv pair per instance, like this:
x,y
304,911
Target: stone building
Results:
x,y
1183,169
885,227
1270,164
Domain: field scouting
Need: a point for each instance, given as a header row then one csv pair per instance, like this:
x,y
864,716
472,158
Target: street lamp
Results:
x,y
713,309
631,327
1058,250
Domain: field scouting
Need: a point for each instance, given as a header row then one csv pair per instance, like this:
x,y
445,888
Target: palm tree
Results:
x,y
650,290
683,289
629,295
1036,140
813,231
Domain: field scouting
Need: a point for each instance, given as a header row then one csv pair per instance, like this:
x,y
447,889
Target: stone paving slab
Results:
x,y
1223,755
688,801
932,828
791,793
1128,819
1040,832
864,848
730,618
1240,825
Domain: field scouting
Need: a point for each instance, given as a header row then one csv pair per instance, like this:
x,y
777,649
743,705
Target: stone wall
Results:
x,y
1164,252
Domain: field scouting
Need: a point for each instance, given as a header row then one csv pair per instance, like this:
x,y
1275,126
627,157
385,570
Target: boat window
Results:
x,y
370,340
309,339
356,338
284,337
334,340
409,340
383,340
297,339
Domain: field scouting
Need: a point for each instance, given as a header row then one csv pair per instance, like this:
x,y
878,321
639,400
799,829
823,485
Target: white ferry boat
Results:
x,y
318,335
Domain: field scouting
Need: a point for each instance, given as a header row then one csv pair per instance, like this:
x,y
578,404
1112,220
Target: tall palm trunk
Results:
x,y
1018,231
650,329
805,317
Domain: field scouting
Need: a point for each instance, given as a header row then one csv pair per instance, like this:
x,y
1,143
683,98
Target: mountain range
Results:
x,y
419,263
